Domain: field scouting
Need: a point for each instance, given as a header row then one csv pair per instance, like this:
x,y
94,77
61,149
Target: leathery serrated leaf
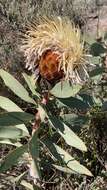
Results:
x,y
71,162
69,136
31,83
15,118
15,86
65,90
8,105
11,132
12,158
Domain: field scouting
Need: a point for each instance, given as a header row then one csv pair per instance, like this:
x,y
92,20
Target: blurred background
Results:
x,y
14,15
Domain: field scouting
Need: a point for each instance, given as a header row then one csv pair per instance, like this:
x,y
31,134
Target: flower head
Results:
x,y
53,49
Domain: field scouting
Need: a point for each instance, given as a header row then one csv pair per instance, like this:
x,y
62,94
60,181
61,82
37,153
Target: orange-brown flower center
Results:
x,y
48,66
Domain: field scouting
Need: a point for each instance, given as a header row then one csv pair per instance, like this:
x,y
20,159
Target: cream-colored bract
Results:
x,y
62,37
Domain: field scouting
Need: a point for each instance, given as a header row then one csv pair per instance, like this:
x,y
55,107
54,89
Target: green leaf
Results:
x,y
64,169
97,49
90,39
96,71
104,106
65,90
9,142
75,121
31,83
69,136
34,145
48,142
27,185
73,103
18,179
96,74
95,60
24,128
71,162
15,118
65,159
15,86
34,169
11,132
86,98
12,158
34,151
8,105
97,101
105,36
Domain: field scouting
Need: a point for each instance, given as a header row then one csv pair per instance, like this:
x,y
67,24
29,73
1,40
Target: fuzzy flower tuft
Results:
x,y
53,49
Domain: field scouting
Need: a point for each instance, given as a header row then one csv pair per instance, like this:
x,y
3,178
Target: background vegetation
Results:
x,y
14,15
